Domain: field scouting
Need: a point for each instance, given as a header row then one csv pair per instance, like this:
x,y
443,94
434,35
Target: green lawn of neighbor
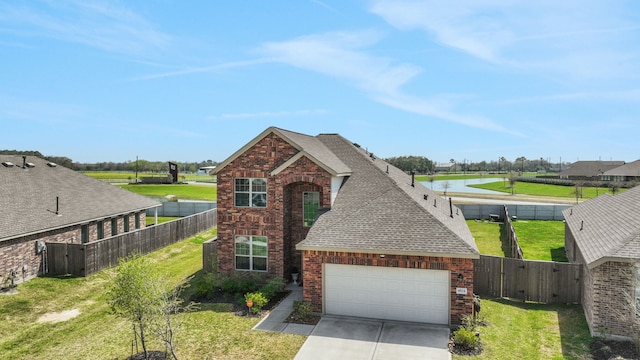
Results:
x,y
541,239
487,236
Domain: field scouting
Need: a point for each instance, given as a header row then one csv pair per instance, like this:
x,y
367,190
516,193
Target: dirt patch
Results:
x,y
59,317
602,349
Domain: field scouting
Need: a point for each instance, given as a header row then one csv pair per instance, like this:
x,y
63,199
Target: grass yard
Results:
x,y
532,331
161,219
542,189
541,240
487,235
182,191
212,332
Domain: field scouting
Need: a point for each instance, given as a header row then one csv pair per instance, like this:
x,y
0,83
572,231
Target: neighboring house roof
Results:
x,y
589,168
607,228
630,169
444,166
378,211
28,197
308,146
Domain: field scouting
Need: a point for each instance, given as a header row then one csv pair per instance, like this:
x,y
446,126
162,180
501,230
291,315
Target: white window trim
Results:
x,y
250,256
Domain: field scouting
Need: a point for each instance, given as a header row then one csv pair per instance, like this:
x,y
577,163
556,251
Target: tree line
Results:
x,y
139,165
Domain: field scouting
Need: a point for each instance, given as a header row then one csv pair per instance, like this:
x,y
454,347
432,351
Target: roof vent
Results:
x,y
30,165
7,164
52,164
426,196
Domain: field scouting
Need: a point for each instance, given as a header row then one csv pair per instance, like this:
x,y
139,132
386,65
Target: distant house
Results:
x,y
368,240
626,172
603,233
588,170
445,167
44,202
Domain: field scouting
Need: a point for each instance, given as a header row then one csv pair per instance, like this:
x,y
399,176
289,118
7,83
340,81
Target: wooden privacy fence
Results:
x,y
89,258
512,238
527,280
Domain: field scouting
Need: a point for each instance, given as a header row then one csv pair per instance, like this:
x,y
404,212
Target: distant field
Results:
x,y
181,191
113,176
542,189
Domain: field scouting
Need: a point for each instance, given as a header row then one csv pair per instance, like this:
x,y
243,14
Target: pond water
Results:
x,y
461,185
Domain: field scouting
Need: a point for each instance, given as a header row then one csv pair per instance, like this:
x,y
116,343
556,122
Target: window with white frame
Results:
x,y
251,253
250,192
310,206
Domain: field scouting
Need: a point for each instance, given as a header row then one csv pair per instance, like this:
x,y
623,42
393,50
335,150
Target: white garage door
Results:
x,y
387,293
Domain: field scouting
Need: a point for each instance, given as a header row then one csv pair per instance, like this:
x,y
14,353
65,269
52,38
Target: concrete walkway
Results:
x,y
274,321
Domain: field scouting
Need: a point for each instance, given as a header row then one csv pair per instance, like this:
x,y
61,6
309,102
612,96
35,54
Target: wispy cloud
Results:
x,y
203,69
342,55
269,114
632,95
576,38
92,23
39,112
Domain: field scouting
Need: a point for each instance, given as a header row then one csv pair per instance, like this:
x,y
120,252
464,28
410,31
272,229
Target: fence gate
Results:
x,y
527,280
63,259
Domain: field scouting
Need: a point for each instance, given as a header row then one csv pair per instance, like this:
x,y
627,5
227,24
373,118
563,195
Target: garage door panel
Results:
x,y
387,293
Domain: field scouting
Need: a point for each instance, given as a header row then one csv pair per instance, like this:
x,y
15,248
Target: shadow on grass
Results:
x,y
559,254
506,250
574,331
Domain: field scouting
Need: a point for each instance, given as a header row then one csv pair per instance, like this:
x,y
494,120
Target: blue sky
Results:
x,y
189,81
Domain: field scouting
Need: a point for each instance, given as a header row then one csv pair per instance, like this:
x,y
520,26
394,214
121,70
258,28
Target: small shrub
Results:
x,y
205,286
239,284
272,288
258,299
302,308
465,338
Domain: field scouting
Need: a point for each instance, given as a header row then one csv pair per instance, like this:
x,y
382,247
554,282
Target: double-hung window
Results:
x,y
251,253
250,192
310,206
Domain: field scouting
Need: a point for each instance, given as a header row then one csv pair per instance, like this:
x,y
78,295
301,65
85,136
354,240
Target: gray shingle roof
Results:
x,y
630,169
307,145
28,198
590,168
380,212
607,227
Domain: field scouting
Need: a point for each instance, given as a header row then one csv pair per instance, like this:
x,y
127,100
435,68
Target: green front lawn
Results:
x,y
212,332
525,331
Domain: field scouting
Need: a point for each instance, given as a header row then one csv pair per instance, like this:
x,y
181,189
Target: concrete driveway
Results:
x,y
353,338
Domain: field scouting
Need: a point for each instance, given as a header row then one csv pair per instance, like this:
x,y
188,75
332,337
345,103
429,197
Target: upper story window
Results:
x,y
250,192
310,206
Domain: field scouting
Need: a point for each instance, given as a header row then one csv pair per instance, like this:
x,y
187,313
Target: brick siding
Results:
x,y
281,220
19,252
460,305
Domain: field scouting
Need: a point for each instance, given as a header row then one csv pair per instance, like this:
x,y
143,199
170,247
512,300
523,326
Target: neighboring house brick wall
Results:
x,y
460,305
18,252
613,297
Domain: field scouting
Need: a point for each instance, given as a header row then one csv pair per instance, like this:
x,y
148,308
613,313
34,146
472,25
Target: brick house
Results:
x,y
369,240
604,234
44,202
589,170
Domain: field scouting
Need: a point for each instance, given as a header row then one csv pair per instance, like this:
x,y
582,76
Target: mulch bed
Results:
x,y
602,349
459,350
240,307
311,319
